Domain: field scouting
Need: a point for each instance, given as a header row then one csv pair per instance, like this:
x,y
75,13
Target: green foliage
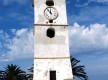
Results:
x,y
13,72
31,69
78,70
1,75
30,75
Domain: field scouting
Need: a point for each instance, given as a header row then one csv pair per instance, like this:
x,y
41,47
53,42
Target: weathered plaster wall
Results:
x,y
51,53
51,47
43,67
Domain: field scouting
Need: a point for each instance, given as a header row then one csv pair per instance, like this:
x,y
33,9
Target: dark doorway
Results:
x,y
52,75
51,32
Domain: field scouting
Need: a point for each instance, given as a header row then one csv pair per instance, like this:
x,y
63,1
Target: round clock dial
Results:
x,y
51,13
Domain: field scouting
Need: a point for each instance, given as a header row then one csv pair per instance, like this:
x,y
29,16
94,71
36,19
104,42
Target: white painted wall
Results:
x,y
40,6
43,67
51,48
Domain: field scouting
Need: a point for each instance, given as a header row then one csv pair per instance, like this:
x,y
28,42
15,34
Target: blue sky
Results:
x,y
88,32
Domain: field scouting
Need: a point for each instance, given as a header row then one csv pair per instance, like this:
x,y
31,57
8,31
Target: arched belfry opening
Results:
x,y
50,32
49,2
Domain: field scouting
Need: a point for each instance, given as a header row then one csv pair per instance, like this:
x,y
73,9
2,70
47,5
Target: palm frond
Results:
x,y
78,70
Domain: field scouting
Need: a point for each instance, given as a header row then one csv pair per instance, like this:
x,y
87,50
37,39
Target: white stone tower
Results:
x,y
51,50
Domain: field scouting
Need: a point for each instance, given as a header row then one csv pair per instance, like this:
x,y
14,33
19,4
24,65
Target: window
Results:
x,y
51,32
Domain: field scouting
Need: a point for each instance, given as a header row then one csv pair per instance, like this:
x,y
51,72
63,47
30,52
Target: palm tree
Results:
x,y
78,70
13,72
1,75
30,74
31,69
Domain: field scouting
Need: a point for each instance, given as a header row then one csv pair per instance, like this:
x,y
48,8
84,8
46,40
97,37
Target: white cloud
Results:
x,y
20,32
20,46
93,38
90,44
3,35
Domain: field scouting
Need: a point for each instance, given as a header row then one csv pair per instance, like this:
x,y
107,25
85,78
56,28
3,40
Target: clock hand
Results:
x,y
49,11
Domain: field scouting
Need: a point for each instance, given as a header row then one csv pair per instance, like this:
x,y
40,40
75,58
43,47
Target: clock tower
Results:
x,y
51,44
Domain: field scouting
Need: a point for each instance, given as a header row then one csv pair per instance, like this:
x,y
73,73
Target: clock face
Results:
x,y
51,13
